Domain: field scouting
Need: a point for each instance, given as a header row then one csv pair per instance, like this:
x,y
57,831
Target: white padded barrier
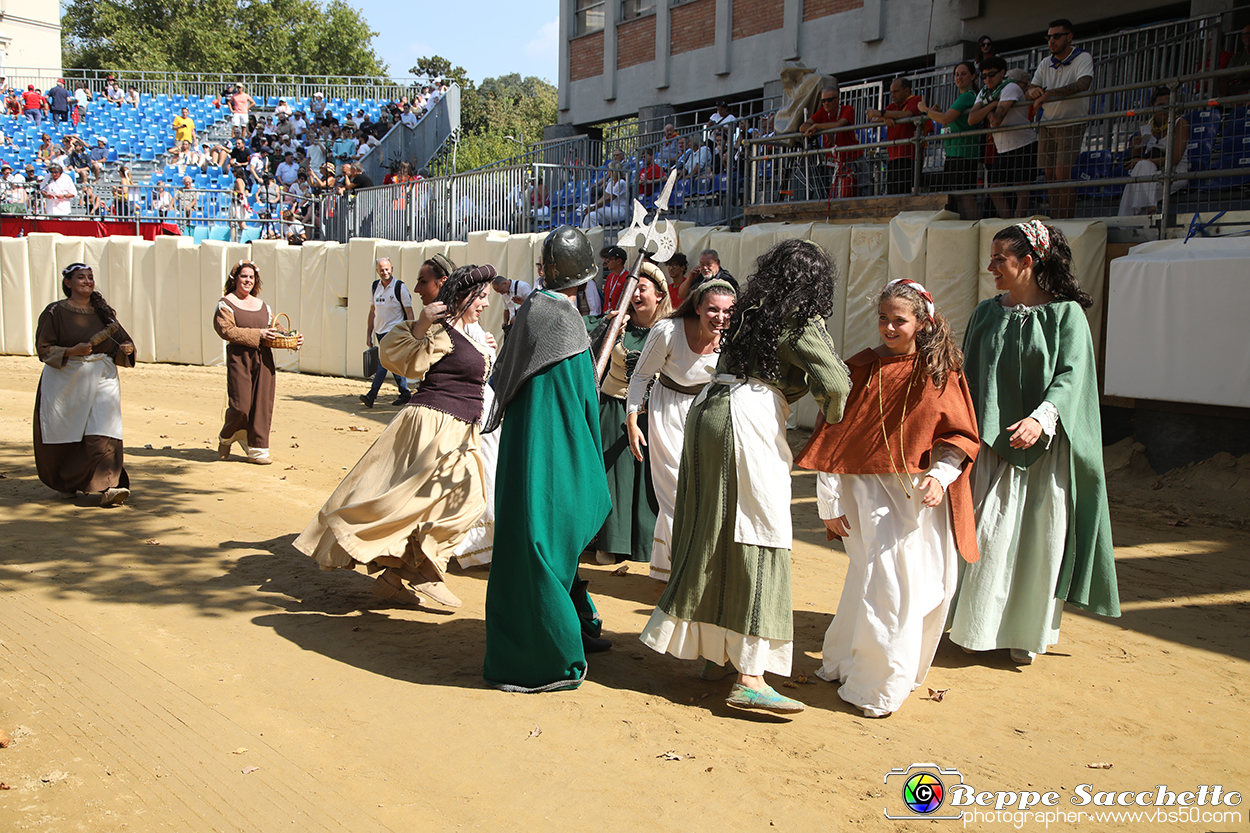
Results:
x,y
17,309
867,272
118,265
951,271
193,322
283,293
143,328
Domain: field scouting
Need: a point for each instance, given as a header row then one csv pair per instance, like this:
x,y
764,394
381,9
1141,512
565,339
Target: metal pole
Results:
x,y
1165,204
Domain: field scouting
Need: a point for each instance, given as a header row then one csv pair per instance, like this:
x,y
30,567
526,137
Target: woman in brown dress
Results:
x,y
244,320
78,417
412,498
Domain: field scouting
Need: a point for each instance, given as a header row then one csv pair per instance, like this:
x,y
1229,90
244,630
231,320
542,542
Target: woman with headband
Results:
x,y
243,321
78,409
728,599
676,363
628,531
413,496
893,486
1043,528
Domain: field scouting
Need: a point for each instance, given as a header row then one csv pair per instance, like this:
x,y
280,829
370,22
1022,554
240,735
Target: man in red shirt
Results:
x,y
900,167
832,113
32,103
650,175
614,276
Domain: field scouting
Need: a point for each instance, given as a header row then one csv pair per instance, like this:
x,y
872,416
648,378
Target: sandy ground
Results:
x,y
174,664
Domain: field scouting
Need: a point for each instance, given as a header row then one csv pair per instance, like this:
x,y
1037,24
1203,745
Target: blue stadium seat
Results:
x,y
219,231
1234,155
201,234
146,154
1090,165
250,234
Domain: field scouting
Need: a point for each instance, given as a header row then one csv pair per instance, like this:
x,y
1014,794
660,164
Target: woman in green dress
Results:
x,y
728,598
1038,487
628,532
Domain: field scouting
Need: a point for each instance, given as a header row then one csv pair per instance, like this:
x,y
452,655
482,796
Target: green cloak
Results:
x,y
1015,359
551,497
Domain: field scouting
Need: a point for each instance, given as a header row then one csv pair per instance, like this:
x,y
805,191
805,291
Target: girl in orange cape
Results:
x,y
893,484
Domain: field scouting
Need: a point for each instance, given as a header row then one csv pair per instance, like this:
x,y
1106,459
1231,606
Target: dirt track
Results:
x,y
174,664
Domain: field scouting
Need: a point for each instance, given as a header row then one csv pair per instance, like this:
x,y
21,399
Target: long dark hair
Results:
x,y
793,281
1053,273
463,285
106,314
233,280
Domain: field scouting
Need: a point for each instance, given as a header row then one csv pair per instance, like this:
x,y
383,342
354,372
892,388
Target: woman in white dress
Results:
x,y
681,354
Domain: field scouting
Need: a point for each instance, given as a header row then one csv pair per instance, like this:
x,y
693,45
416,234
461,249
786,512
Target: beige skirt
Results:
x,y
413,495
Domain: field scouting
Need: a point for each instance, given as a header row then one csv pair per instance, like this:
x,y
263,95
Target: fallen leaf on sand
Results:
x,y
289,468
709,769
1181,522
804,679
671,755
621,570
536,732
788,684
3,786
164,436
936,694
1098,766
248,770
294,445
152,541
4,740
240,750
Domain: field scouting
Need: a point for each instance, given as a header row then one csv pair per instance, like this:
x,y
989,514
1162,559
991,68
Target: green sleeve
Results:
x,y
810,349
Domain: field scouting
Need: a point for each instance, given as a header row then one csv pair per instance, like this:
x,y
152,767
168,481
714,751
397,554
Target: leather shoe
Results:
x,y
437,591
365,399
593,645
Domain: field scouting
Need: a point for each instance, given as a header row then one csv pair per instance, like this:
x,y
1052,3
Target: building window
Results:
x,y
588,17
636,8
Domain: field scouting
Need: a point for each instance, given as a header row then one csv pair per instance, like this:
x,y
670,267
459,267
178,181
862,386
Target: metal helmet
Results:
x,y
568,259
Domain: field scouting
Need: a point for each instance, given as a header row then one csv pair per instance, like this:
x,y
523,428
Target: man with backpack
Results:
x,y
391,304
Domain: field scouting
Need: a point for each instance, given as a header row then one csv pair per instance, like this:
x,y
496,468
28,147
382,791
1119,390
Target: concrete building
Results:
x,y
30,38
620,57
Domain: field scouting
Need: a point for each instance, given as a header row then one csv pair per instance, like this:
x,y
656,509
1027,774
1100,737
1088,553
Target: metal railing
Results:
x,y
158,82
1212,175
416,145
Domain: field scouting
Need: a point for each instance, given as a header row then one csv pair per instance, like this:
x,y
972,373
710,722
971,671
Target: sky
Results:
x,y
489,38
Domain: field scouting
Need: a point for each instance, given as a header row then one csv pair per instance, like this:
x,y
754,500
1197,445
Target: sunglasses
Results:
x,y
1058,35
990,73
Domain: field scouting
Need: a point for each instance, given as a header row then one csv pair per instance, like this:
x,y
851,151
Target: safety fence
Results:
x,y
1185,155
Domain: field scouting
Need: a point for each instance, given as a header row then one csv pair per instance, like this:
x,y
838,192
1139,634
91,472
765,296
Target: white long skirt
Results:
x,y
899,585
666,430
477,546
1007,599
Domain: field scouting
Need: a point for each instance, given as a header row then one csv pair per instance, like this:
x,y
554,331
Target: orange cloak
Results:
x,y
856,445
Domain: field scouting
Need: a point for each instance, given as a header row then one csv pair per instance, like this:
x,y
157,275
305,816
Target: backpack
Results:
x,y
398,284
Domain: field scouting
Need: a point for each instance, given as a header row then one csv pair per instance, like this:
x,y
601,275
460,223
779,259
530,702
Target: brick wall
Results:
x,y
693,26
586,56
753,17
635,42
813,9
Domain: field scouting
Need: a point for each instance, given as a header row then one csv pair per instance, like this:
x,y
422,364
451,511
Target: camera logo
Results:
x,y
921,791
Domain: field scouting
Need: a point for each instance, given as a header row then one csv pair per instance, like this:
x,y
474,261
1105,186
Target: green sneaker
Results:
x,y
765,699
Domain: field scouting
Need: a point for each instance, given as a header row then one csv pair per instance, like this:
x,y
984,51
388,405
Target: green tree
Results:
x,y
496,116
282,37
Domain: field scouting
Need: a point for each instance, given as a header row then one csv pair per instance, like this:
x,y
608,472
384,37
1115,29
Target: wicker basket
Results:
x,y
287,339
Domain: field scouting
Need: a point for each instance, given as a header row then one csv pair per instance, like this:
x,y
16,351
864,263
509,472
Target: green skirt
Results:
x,y
741,588
630,528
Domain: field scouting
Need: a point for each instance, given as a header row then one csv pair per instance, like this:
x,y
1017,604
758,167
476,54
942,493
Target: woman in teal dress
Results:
x,y
628,532
1043,528
728,598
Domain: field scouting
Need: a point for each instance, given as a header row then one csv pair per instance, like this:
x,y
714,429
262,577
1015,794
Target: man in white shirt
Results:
x,y
162,201
391,305
409,118
58,192
514,294
12,186
299,123
1069,71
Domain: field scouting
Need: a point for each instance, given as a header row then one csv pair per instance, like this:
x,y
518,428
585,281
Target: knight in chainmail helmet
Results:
x,y
551,492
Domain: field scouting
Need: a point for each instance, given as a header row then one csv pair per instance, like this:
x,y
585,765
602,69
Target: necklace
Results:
x,y
885,435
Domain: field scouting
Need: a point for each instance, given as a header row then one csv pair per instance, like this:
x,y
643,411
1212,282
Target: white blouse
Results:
x,y
667,351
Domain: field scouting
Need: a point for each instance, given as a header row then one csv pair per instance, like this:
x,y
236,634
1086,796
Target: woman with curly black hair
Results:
x,y
416,492
78,409
728,597
1038,487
